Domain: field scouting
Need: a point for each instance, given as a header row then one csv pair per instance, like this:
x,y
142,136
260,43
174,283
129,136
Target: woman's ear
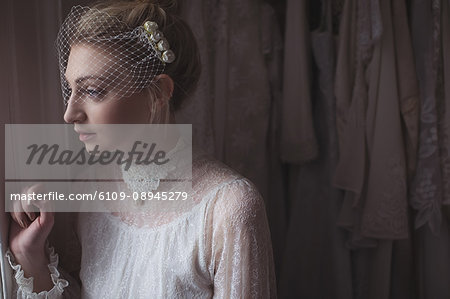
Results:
x,y
165,86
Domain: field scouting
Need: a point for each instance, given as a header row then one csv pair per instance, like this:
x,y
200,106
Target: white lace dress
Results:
x,y
220,248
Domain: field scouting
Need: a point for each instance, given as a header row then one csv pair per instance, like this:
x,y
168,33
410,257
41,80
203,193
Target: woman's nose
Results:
x,y
74,112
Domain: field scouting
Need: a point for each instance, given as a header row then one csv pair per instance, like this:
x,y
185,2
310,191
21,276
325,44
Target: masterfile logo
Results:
x,y
99,167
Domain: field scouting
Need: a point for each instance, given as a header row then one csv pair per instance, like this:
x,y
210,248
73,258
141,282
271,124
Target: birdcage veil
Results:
x,y
115,58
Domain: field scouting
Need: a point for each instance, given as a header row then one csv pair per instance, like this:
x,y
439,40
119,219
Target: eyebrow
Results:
x,y
84,78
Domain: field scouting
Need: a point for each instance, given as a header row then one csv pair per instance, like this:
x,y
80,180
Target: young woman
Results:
x,y
134,63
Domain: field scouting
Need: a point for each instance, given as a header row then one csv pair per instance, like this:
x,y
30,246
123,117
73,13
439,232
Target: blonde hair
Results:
x,y
185,70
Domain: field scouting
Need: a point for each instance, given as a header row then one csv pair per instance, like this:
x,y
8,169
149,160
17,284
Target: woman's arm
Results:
x,y
242,259
27,248
34,262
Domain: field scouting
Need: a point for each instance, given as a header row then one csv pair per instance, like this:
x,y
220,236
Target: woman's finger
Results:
x,y
46,209
29,209
19,215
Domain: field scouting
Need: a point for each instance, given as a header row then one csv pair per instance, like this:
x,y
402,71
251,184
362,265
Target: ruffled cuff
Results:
x,y
25,285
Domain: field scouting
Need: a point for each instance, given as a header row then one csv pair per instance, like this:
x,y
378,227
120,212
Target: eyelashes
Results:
x,y
97,94
89,93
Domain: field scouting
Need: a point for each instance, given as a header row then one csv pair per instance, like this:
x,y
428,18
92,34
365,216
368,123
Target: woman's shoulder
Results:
x,y
229,192
206,168
209,175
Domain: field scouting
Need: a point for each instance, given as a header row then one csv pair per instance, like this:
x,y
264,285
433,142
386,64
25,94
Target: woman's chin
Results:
x,y
97,148
94,148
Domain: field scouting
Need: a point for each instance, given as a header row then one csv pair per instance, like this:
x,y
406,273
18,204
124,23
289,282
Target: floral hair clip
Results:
x,y
158,42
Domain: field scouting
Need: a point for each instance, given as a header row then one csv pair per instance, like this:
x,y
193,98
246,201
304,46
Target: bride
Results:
x,y
134,63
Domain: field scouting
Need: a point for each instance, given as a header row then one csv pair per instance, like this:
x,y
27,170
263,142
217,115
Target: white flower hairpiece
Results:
x,y
158,42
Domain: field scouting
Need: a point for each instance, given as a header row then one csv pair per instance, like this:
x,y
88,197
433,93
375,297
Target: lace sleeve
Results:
x,y
24,285
241,251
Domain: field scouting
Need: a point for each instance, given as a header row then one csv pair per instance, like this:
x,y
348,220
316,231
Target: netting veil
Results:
x,y
109,58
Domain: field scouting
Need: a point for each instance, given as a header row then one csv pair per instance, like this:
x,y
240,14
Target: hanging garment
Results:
x,y
377,215
427,187
373,166
298,139
430,191
272,48
444,117
350,170
316,261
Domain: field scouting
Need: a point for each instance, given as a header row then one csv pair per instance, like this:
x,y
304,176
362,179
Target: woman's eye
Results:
x,y
95,93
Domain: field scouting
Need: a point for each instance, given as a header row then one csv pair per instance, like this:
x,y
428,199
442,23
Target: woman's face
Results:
x,y
94,97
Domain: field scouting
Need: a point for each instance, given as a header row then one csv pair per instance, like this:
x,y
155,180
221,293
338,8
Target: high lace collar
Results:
x,y
146,178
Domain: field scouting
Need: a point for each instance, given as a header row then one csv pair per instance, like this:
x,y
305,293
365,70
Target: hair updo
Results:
x,y
186,68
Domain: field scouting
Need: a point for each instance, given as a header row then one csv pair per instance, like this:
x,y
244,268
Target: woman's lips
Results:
x,y
86,136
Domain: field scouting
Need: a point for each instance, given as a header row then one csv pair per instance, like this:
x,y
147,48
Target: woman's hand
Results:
x,y
27,237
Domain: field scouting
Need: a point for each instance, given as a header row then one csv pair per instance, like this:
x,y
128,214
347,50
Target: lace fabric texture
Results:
x,y
219,248
24,285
